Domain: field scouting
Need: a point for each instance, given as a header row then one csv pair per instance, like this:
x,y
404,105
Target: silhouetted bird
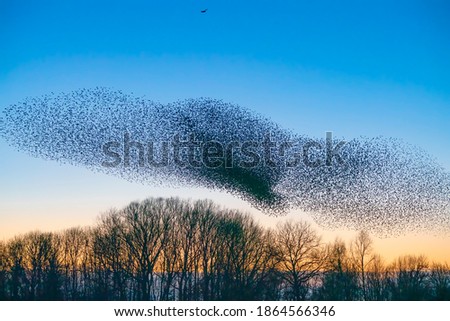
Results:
x,y
204,11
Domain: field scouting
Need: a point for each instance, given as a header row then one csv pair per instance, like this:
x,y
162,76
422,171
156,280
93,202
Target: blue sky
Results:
x,y
353,67
402,41
333,52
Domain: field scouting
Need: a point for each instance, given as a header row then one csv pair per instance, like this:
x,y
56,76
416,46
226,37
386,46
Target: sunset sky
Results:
x,y
379,68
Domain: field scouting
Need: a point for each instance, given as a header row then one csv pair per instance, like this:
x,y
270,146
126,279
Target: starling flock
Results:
x,y
382,185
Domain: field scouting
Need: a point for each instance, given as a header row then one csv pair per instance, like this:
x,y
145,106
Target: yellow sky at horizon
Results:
x,y
31,199
26,217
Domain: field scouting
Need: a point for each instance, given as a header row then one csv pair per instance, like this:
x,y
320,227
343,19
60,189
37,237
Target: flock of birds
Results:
x,y
383,185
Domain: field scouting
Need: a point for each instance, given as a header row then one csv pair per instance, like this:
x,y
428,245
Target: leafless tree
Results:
x,y
187,223
302,255
146,231
170,262
361,251
339,280
408,278
74,251
440,281
109,259
4,269
38,249
207,246
169,249
376,279
18,280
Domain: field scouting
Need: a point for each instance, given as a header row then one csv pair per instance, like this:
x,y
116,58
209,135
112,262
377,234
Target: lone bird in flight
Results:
x,y
204,11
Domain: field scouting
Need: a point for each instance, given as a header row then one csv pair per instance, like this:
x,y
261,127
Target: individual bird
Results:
x,y
204,11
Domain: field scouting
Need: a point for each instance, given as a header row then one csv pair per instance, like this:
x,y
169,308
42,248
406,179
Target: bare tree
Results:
x,y
440,281
302,256
18,279
168,249
408,278
4,269
361,250
170,262
146,228
244,256
74,249
109,259
53,276
340,278
207,246
187,222
168,265
38,249
376,277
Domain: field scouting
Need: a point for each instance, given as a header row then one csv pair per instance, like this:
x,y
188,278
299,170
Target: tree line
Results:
x,y
170,249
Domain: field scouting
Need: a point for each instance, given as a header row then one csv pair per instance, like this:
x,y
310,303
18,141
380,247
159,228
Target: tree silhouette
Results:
x,y
361,250
376,289
440,281
340,281
409,278
170,249
302,256
3,271
146,227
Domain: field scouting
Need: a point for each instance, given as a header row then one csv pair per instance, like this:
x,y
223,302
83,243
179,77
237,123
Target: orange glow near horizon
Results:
x,y
16,222
74,196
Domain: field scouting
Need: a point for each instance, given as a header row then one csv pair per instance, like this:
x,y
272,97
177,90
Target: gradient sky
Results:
x,y
357,68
